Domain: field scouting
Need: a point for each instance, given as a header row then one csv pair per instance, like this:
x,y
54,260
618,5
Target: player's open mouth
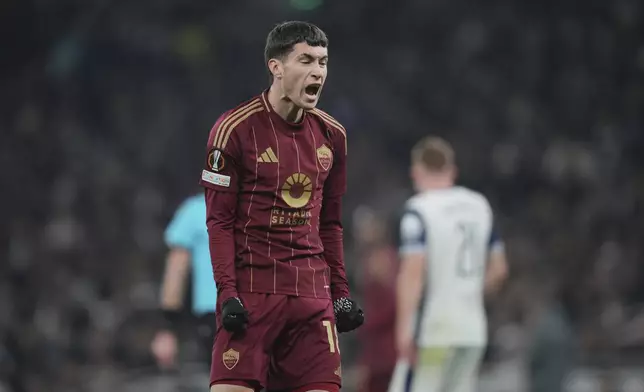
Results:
x,y
312,89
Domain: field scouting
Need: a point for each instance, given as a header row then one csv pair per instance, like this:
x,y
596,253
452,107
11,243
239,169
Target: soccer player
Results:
x,y
274,175
450,256
187,238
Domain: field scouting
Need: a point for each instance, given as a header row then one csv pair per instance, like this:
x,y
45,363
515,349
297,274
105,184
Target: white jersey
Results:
x,y
453,228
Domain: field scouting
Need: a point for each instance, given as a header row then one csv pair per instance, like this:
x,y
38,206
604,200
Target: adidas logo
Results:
x,y
268,156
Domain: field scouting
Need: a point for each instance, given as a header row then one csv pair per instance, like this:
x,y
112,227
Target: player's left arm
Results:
x,y
497,266
348,315
411,279
331,230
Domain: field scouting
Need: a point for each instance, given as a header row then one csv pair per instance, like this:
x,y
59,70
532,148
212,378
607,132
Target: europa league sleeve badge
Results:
x,y
216,161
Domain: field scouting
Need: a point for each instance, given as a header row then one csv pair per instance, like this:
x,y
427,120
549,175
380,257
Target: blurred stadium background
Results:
x,y
105,106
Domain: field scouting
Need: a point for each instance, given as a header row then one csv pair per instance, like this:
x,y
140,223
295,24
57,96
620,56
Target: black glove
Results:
x,y
348,315
234,317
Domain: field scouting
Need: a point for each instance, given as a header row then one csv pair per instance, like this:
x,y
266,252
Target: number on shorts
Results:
x,y
332,335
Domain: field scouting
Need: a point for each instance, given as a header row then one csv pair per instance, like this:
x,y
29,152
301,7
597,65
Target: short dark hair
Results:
x,y
286,35
435,153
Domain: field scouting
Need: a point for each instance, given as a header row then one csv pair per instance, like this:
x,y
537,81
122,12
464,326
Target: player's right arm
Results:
x,y
411,279
497,266
221,177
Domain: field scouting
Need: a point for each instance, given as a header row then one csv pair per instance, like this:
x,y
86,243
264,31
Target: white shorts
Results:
x,y
439,369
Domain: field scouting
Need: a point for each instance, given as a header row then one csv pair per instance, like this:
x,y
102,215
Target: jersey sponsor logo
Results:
x,y
284,217
325,157
216,161
230,358
215,178
296,191
268,156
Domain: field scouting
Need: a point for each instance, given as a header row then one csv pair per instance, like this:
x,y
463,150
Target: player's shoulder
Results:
x,y
413,202
329,121
474,199
233,119
415,206
245,109
438,199
473,195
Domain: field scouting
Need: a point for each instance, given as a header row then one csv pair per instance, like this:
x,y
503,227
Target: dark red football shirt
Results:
x,y
273,199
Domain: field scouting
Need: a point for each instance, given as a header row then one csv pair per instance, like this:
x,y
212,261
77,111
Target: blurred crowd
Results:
x,y
106,105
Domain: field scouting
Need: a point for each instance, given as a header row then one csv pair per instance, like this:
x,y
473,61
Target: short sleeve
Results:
x,y
413,233
220,171
182,229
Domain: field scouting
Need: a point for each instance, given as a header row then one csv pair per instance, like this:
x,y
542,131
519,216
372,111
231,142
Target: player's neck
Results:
x,y
436,184
283,106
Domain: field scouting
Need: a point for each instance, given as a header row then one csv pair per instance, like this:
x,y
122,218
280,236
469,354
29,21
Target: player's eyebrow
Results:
x,y
311,57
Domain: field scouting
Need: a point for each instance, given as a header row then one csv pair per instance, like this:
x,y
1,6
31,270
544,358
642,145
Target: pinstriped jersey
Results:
x,y
281,172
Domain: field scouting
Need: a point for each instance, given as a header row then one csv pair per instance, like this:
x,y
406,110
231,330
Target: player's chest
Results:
x,y
279,159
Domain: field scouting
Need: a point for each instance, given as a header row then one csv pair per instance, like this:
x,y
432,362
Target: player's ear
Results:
x,y
414,171
454,172
276,68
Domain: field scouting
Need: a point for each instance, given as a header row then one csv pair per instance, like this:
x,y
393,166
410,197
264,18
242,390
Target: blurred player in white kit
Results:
x,y
451,256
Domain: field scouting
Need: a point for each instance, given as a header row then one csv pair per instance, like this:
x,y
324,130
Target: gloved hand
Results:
x,y
348,315
234,317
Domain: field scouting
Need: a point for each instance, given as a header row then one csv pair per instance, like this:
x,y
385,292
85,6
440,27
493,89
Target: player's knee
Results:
x,y
229,388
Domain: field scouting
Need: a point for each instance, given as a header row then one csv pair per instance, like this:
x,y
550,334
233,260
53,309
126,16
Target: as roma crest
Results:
x,y
230,358
325,157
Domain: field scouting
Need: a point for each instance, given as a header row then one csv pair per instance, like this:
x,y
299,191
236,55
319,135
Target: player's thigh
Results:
x,y
307,353
244,357
466,369
432,367
449,369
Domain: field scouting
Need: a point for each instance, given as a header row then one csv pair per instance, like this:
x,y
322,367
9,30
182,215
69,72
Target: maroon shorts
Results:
x,y
290,342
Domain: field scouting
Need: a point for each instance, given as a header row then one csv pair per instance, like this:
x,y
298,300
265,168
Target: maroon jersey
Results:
x,y
273,197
